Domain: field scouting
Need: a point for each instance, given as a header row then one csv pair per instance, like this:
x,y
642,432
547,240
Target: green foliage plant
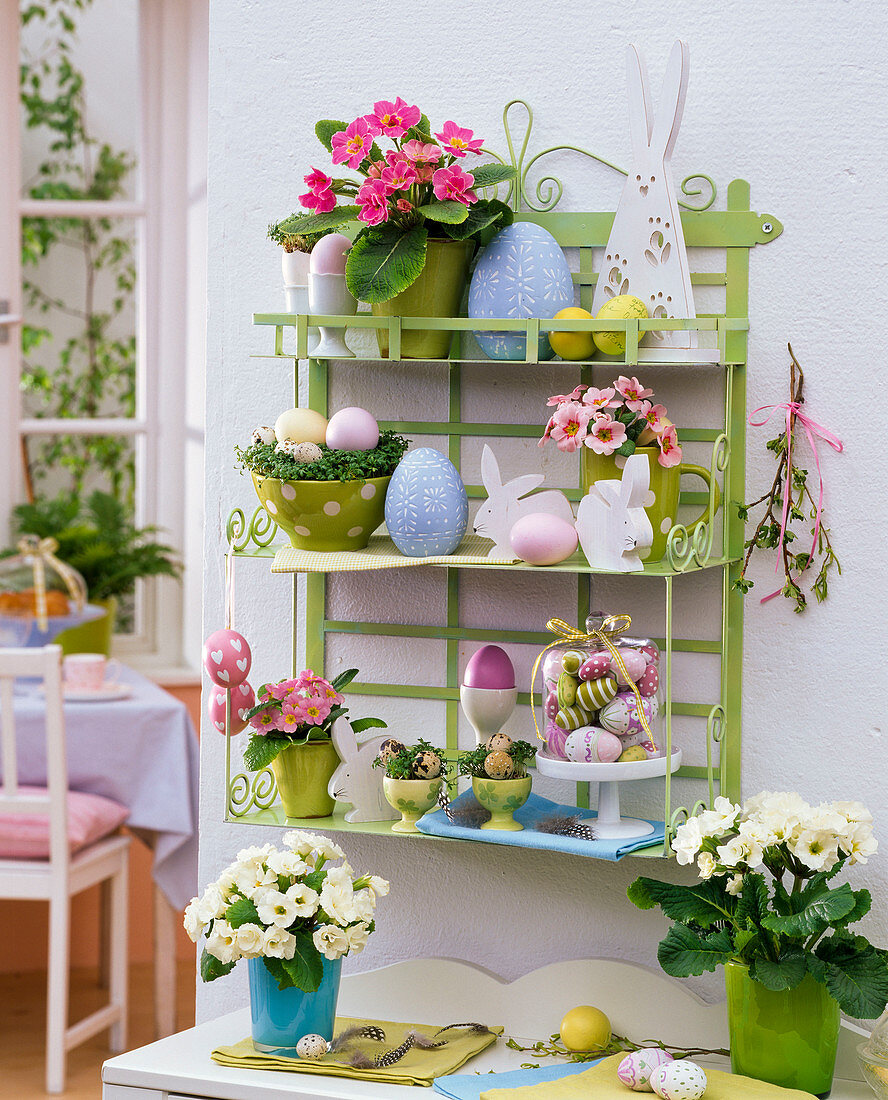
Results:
x,y
264,459
471,762
92,371
294,242
765,898
400,765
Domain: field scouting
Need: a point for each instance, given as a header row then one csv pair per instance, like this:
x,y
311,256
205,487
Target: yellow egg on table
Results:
x,y
585,1028
572,345
619,308
301,425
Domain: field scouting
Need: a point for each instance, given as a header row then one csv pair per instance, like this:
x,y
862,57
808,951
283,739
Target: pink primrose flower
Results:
x,y
574,395
424,172
315,711
400,175
670,452
452,183
264,720
291,719
280,690
316,180
352,144
632,392
599,399
372,197
458,141
569,425
422,152
547,434
605,434
403,206
321,202
393,119
653,414
375,170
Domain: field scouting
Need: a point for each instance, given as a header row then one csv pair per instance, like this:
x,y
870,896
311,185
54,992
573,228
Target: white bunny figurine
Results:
x,y
355,779
612,524
645,253
506,504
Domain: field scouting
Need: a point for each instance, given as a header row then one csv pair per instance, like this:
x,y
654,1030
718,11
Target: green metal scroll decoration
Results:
x,y
248,792
549,189
716,731
684,550
260,530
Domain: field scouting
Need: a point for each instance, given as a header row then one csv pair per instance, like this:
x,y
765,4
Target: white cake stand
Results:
x,y
609,825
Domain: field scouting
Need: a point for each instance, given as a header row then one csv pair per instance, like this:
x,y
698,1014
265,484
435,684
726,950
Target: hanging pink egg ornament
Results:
x,y
242,698
352,429
543,539
636,1068
227,658
634,662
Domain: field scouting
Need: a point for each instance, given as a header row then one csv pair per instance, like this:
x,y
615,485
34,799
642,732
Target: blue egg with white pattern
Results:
x,y
426,507
522,273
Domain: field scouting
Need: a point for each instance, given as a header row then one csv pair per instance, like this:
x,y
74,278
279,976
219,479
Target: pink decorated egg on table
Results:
x,y
543,539
650,681
596,666
242,698
352,429
329,255
551,706
227,658
591,745
634,662
489,667
555,739
636,1068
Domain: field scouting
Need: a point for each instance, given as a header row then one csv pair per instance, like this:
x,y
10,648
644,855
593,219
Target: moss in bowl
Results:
x,y
335,503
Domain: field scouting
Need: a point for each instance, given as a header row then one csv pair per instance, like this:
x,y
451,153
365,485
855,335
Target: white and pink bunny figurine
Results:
x,y
507,503
645,254
612,525
355,779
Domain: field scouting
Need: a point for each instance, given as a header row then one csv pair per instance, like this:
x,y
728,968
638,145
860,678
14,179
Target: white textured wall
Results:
x,y
785,97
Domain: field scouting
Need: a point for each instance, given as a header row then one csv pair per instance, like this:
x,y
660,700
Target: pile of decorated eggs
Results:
x,y
299,433
594,702
652,1069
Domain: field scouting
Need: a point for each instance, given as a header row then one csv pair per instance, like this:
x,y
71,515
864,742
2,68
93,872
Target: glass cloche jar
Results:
x,y
40,595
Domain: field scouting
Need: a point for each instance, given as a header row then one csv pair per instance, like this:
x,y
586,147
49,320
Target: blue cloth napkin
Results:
x,y
469,1086
533,811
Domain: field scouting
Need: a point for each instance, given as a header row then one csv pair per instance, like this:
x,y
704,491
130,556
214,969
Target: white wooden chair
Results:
x,y
61,874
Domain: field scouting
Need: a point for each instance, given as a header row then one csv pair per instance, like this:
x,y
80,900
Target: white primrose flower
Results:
x,y
279,943
734,885
338,899
254,854
706,864
286,863
861,844
212,903
277,908
687,841
739,849
304,898
364,905
817,849
720,819
331,941
222,942
194,926
854,812
357,935
250,940
304,844
379,886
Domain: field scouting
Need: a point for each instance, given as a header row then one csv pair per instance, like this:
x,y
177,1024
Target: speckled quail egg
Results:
x,y
427,765
263,435
498,742
287,447
389,748
306,452
498,765
312,1047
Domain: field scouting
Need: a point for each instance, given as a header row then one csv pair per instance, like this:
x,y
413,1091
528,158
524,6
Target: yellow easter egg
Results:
x,y
633,753
618,308
302,426
585,1028
572,345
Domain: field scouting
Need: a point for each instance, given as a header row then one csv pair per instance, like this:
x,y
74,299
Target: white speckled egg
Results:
x,y
287,447
312,1047
426,508
679,1080
590,745
306,452
352,429
543,539
636,1068
263,435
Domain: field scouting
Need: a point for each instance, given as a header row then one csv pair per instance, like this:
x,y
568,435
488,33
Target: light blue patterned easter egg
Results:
x,y
426,509
522,273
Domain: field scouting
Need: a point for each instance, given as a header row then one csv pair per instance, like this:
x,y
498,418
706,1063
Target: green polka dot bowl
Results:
x,y
324,515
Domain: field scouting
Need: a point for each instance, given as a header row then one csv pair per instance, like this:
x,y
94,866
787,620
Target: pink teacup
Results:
x,y
89,672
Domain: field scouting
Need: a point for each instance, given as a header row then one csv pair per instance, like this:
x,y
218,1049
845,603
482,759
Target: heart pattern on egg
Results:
x,y
235,644
217,656
242,664
223,675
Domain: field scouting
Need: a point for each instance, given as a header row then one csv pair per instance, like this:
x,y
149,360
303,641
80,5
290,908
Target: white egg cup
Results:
x,y
487,709
297,302
329,294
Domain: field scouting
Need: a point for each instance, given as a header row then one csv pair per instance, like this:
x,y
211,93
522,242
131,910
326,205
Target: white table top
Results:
x,y
640,1003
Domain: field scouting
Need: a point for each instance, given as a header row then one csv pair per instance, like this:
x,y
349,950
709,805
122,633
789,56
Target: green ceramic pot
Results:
x,y
437,292
502,797
302,773
91,637
411,798
665,485
787,1038
324,515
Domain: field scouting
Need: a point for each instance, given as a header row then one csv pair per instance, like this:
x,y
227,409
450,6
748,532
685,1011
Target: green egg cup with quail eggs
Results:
x,y
501,798
411,798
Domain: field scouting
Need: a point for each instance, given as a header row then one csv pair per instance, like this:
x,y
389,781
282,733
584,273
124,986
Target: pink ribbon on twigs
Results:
x,y
813,431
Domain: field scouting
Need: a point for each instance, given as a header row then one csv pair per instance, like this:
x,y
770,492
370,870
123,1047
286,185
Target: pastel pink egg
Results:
x,y
598,665
242,698
551,706
555,739
651,652
329,255
650,681
352,429
636,1068
635,664
591,745
227,658
552,667
489,667
543,539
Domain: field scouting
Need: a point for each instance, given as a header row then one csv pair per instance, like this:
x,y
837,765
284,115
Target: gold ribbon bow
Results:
x,y
612,627
41,552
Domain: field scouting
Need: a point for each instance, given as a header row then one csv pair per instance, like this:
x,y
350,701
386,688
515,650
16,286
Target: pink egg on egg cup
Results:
x,y
329,293
488,693
330,255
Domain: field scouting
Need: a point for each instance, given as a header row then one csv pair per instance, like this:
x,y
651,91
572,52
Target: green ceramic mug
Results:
x,y
665,485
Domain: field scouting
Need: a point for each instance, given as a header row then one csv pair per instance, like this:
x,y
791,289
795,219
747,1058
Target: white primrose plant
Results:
x,y
288,907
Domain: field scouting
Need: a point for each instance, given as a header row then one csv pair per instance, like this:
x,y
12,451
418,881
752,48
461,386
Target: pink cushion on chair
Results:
x,y
90,818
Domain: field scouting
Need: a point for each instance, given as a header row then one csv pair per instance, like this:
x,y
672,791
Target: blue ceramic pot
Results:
x,y
280,1017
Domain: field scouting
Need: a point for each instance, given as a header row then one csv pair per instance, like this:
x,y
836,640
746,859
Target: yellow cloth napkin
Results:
x,y
417,1067
601,1083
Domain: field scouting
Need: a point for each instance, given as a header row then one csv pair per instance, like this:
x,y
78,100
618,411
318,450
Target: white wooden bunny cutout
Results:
x,y
507,503
612,525
355,779
646,254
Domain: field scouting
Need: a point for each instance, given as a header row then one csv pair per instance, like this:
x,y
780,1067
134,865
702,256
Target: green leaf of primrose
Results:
x,y
344,678
362,724
487,175
242,911
325,130
817,915
484,216
306,968
260,751
857,978
785,973
385,262
684,952
703,904
753,903
211,968
314,223
448,211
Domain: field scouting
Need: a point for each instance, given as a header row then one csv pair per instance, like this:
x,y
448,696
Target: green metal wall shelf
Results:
x,y
735,231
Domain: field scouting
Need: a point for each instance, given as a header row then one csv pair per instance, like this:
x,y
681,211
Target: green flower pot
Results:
x,y
502,797
324,515
411,798
788,1038
91,637
437,292
302,773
